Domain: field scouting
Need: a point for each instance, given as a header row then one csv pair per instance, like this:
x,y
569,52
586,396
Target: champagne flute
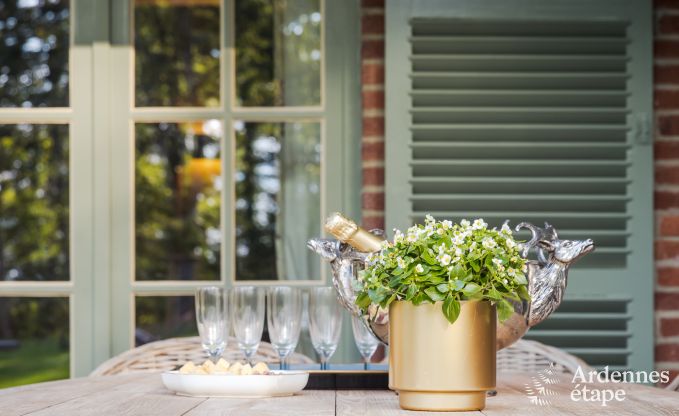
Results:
x,y
247,318
325,322
284,316
211,317
364,339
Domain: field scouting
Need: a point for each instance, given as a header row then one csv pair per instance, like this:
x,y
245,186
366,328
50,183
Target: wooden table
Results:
x,y
144,394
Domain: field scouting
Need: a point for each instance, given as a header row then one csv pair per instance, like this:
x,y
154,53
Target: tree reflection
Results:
x,y
34,53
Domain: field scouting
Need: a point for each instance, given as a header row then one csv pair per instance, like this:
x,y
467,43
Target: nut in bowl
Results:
x,y
224,379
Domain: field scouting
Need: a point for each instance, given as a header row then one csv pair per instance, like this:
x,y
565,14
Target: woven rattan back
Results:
x,y
170,353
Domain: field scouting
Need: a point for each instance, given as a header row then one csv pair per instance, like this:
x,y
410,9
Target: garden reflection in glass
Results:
x,y
284,315
247,318
364,339
325,322
212,319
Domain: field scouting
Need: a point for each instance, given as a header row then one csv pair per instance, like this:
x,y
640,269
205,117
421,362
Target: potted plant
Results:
x,y
444,283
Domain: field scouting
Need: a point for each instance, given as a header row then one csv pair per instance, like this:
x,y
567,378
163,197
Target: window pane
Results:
x,y
160,317
278,52
177,52
34,202
277,200
178,187
33,340
34,53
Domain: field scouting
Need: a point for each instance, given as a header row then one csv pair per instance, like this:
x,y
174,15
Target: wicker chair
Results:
x,y
533,356
170,353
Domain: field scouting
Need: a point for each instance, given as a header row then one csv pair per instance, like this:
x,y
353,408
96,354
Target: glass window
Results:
x,y
177,53
34,344
34,39
278,52
278,170
178,187
34,243
160,317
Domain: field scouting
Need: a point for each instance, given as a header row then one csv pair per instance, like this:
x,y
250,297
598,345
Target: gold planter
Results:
x,y
438,366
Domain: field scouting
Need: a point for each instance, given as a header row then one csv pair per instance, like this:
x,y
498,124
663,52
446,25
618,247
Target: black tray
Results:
x,y
348,380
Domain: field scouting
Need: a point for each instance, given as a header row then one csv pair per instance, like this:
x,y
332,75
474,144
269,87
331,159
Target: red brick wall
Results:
x,y
666,97
666,100
372,92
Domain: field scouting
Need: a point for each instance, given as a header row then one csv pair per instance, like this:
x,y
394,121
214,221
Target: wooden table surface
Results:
x,y
144,394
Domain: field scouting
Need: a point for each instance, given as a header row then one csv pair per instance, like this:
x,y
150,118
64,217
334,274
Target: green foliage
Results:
x,y
446,262
34,361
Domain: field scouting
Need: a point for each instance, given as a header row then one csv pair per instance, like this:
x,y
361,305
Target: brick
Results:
x,y
666,249
372,222
372,3
668,125
372,151
372,49
373,200
373,126
664,48
666,149
669,225
373,176
666,74
668,276
373,100
372,74
667,352
666,199
372,24
665,4
666,99
668,24
667,175
669,327
666,301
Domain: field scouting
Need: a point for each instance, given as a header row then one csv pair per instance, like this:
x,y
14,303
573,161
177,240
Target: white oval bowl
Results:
x,y
277,383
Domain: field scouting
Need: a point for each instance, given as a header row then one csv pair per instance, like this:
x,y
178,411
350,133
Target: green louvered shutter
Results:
x,y
534,111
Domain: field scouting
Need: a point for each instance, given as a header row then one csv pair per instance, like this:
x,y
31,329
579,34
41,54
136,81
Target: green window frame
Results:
x,y
101,116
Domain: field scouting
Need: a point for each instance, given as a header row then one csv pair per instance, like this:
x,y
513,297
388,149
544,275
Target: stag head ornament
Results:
x,y
547,278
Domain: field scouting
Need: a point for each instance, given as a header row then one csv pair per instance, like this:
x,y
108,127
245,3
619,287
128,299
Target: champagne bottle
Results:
x,y
347,231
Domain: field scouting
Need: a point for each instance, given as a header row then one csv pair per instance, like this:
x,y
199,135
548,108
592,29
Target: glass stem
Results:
x,y
324,363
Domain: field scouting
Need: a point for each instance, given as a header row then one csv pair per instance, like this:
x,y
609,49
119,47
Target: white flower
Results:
x,y
505,281
445,259
401,263
489,243
440,231
510,243
428,219
458,252
464,223
479,224
398,236
412,237
419,269
505,229
524,268
472,246
446,224
497,262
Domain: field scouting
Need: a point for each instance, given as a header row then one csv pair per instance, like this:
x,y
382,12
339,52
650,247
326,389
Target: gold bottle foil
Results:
x,y
438,366
349,232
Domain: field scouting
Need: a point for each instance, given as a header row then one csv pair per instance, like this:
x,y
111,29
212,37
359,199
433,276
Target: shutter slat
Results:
x,y
518,185
522,80
447,44
511,98
582,115
460,62
510,149
520,132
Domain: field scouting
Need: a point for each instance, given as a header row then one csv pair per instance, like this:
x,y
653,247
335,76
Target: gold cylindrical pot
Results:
x,y
439,366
